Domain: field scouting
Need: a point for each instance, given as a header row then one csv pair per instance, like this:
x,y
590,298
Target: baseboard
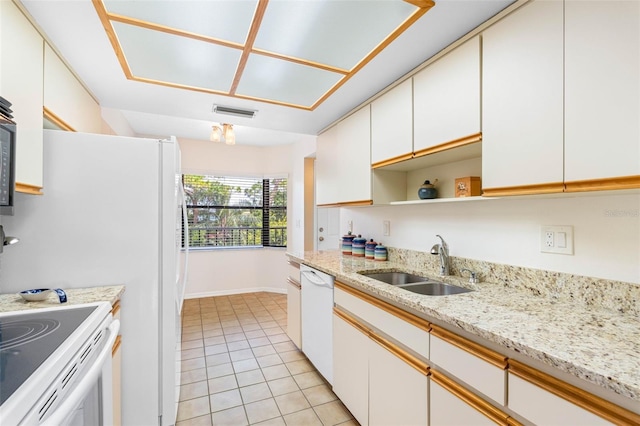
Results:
x,y
235,291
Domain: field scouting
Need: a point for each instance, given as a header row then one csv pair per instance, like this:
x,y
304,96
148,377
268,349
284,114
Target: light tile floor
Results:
x,y
240,368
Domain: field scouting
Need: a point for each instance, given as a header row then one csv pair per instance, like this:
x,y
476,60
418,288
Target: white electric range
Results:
x,y
55,365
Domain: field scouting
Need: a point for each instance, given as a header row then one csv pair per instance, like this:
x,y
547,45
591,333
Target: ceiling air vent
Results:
x,y
244,113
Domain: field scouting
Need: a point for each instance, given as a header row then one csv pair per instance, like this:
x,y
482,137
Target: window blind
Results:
x,y
227,211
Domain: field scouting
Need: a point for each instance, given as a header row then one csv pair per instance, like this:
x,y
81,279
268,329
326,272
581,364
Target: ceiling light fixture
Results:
x,y
225,132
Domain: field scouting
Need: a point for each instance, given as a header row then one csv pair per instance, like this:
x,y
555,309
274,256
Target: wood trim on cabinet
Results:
x,y
52,117
399,352
596,405
348,204
456,143
116,345
473,348
393,310
470,398
606,184
293,263
115,308
294,283
26,188
394,160
351,321
542,188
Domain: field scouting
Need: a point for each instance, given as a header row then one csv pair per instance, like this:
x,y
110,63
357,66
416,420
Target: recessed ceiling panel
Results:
x,y
338,32
180,60
227,20
287,82
293,53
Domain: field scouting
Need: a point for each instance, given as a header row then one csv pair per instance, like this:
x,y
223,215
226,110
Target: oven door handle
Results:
x,y
84,385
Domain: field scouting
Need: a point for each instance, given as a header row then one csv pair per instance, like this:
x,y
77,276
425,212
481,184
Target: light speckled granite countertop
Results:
x,y
597,345
75,296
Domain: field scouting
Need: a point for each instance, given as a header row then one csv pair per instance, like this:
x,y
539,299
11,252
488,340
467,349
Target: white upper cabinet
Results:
x,y
21,83
522,101
391,128
343,161
602,89
326,168
446,98
65,97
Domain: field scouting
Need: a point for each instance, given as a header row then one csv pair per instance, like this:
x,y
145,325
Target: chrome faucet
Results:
x,y
443,252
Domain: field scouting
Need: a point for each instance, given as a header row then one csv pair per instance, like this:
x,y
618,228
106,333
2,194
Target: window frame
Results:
x,y
265,231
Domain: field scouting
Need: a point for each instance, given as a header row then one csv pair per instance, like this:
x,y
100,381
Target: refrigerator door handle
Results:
x,y
185,238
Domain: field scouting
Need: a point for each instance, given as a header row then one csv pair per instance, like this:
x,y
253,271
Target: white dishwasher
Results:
x,y
317,319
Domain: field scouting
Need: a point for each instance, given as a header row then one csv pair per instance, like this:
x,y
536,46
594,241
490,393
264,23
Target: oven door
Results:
x,y
90,400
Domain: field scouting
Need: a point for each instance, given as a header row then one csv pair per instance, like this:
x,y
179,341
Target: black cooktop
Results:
x,y
28,339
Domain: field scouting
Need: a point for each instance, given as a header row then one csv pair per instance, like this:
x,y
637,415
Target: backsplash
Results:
x,y
587,291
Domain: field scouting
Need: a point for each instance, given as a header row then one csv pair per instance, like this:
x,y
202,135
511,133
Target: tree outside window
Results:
x,y
225,211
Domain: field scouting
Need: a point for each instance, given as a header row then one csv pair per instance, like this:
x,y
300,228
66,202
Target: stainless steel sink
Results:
x,y
435,289
396,278
416,283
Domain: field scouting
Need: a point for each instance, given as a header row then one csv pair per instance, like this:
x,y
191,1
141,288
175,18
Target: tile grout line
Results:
x,y
235,313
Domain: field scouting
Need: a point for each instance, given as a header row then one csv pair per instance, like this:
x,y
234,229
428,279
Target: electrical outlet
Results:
x,y
548,238
386,228
556,239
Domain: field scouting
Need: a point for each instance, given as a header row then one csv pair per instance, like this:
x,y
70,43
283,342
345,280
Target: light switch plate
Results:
x,y
386,228
557,239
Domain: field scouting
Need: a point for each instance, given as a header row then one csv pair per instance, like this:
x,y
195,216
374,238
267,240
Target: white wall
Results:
x,y
216,271
295,214
231,271
507,231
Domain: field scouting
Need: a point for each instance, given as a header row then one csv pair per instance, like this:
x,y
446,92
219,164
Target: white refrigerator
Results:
x,y
112,213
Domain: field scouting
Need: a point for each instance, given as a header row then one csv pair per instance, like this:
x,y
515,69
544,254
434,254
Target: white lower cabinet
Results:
x,y
374,383
542,407
294,329
379,372
351,368
294,304
473,364
451,405
398,393
546,400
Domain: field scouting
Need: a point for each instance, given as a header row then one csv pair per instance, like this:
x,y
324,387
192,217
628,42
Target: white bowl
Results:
x,y
35,295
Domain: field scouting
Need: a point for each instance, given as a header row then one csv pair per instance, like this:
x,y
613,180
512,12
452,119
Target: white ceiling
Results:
x,y
76,32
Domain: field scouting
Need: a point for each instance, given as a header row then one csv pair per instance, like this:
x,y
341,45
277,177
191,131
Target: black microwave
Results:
x,y
7,165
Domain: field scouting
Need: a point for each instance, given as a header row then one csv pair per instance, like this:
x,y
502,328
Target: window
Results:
x,y
225,211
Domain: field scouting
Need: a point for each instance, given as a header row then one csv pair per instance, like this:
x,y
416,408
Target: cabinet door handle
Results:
x,y
321,238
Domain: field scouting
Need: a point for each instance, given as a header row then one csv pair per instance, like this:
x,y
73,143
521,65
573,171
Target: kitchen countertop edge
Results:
x,y
14,302
614,373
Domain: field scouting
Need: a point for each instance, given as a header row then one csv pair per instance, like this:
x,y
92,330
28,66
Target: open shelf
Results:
x,y
443,200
